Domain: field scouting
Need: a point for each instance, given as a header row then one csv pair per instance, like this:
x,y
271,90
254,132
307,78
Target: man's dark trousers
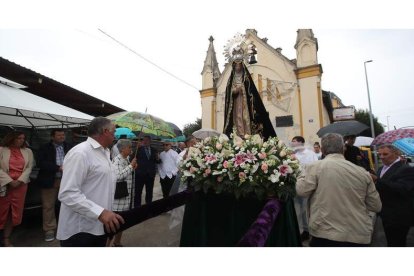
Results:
x,y
321,242
396,235
142,180
166,185
84,240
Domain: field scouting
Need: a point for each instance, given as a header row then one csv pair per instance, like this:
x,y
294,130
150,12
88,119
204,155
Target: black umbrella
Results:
x,y
176,129
344,128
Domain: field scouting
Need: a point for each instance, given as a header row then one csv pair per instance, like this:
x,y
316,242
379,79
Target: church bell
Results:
x,y
252,59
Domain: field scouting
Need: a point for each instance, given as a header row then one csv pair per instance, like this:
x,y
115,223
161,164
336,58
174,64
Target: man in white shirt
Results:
x,y
167,169
305,157
87,189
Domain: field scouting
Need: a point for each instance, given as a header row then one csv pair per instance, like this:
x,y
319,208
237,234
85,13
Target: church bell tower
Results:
x,y
309,74
210,75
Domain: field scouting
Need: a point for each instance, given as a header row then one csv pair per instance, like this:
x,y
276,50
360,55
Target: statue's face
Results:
x,y
238,67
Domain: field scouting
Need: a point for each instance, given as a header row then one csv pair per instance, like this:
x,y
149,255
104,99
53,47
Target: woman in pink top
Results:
x,y
16,162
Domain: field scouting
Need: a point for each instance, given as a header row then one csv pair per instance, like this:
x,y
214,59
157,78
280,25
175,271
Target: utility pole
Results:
x,y
388,123
370,115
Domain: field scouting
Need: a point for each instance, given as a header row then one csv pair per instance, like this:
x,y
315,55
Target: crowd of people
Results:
x,y
78,200
337,194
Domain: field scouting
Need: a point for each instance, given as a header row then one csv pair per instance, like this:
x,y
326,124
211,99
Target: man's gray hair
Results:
x,y
98,125
391,147
123,143
332,143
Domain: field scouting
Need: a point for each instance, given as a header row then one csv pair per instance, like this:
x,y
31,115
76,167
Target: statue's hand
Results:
x,y
237,90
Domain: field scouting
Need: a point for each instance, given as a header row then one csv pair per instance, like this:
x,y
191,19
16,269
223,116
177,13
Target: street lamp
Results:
x,y
371,120
388,123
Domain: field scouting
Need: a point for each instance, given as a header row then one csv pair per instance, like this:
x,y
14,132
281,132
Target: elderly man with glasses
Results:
x,y
167,169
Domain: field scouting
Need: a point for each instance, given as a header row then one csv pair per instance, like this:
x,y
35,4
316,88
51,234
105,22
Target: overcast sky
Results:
x,y
64,43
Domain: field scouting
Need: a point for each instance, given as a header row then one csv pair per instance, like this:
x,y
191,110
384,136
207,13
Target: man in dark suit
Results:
x,y
50,160
395,184
147,160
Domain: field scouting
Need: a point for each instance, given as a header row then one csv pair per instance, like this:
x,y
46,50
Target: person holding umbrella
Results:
x,y
147,159
352,153
114,149
395,184
124,169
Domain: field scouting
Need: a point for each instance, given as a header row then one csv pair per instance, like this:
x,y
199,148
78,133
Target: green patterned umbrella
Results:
x,y
148,124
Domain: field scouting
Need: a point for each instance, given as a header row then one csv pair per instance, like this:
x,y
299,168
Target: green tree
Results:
x,y
191,127
362,116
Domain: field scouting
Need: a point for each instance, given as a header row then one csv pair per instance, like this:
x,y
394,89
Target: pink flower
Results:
x,y
264,167
219,146
242,175
240,158
192,169
219,179
210,159
250,157
285,170
262,155
225,164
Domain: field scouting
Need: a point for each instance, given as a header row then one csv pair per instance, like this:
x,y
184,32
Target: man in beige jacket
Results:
x,y
341,195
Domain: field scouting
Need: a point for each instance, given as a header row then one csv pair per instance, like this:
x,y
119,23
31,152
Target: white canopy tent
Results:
x,y
19,108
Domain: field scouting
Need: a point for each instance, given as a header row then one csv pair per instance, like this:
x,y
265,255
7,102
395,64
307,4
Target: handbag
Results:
x,y
121,189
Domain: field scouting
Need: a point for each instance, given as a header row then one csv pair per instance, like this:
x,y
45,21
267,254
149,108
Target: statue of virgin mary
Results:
x,y
244,110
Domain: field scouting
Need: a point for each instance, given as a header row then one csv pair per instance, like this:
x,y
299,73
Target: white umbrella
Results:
x,y
363,141
205,132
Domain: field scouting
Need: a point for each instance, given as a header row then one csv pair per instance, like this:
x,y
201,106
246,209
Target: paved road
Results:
x,y
151,233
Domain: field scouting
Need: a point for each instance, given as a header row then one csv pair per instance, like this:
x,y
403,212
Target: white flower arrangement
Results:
x,y
242,167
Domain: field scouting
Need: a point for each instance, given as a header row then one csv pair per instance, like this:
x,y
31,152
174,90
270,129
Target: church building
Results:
x,y
290,89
